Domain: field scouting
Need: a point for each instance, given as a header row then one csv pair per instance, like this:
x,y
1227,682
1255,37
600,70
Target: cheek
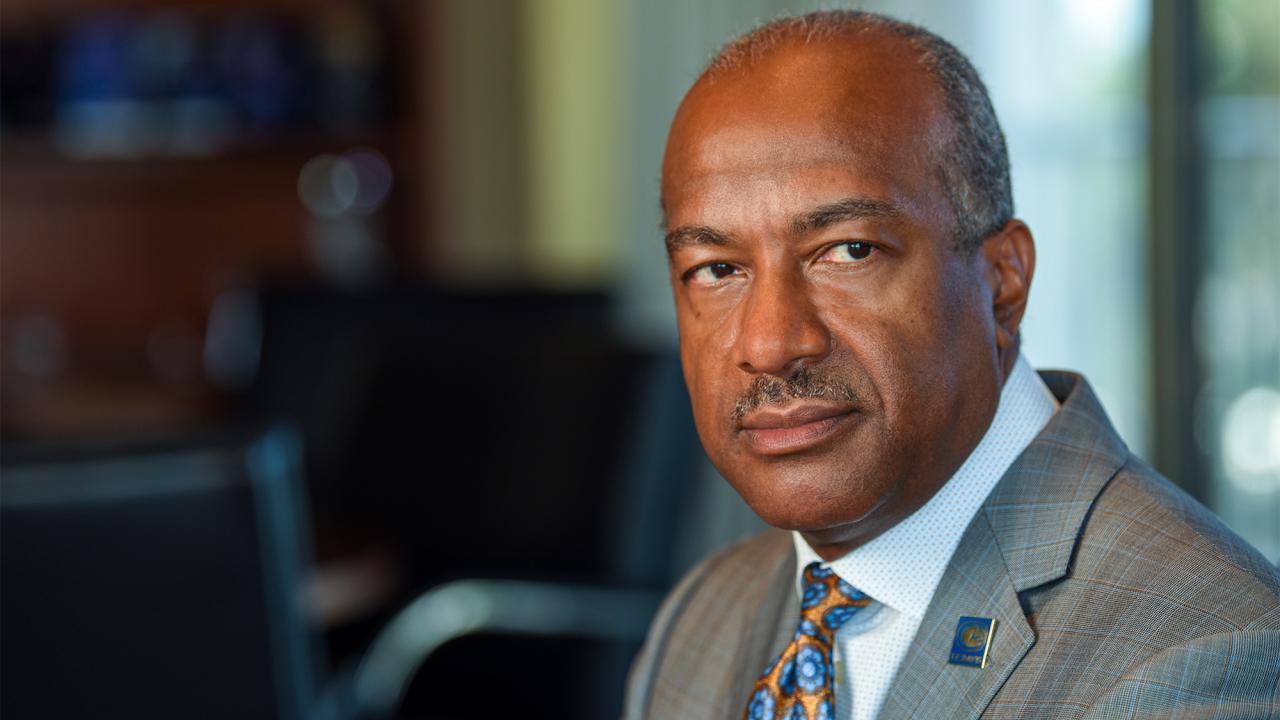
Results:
x,y
705,374
949,343
966,319
887,330
707,330
913,339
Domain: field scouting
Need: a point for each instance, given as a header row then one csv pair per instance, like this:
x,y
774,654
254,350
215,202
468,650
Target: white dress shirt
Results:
x,y
901,568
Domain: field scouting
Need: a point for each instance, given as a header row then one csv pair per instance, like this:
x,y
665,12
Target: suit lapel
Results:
x,y
1022,537
774,624
975,584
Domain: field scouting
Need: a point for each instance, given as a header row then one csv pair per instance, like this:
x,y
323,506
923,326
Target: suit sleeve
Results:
x,y
645,667
1228,675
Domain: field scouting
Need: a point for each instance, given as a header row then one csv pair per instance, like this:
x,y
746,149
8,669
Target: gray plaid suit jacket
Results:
x,y
1116,596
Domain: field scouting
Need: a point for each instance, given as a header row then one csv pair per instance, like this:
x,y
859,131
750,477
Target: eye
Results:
x,y
848,252
710,273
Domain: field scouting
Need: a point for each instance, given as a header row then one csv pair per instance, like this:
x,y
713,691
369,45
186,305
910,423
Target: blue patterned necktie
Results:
x,y
798,684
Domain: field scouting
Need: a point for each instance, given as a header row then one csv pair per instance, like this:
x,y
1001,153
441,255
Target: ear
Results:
x,y
1010,262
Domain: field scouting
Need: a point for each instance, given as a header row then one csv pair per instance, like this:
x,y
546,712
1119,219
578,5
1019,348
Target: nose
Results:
x,y
780,328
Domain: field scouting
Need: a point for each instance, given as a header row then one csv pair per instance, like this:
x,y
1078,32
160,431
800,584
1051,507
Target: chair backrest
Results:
x,y
512,435
155,583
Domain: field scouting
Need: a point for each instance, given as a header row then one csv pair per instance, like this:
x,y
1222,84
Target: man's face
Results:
x,y
839,351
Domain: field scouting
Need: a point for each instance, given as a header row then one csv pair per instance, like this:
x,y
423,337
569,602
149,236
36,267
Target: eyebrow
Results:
x,y
690,235
850,208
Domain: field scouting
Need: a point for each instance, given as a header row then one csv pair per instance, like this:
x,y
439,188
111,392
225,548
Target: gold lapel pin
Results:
x,y
972,642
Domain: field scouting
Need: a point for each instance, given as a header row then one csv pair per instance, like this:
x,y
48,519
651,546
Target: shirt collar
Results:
x,y
903,566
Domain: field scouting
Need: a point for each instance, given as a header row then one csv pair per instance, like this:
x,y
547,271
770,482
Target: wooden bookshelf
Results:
x,y
116,252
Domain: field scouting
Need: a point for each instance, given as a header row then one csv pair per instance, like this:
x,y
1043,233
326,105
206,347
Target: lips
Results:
x,y
778,431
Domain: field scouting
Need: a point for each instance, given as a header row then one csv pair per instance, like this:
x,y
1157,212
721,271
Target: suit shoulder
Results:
x,y
1146,536
741,562
733,570
1162,606
693,643
1191,611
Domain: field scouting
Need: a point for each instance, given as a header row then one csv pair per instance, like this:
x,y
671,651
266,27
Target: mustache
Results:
x,y
803,384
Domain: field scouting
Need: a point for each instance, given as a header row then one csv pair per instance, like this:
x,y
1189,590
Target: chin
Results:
x,y
809,504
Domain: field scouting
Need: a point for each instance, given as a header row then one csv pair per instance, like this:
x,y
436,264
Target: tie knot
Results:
x,y
828,601
798,684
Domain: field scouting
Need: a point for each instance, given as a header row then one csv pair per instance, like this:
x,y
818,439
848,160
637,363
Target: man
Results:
x,y
968,538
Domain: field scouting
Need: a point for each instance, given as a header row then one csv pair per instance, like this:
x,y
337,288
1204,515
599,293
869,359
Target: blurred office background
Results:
x,y
323,320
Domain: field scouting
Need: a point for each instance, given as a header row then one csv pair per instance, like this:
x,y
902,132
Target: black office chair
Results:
x,y
156,582
607,621
503,445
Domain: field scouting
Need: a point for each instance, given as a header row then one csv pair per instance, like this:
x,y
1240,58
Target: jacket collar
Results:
x,y
1037,508
1023,537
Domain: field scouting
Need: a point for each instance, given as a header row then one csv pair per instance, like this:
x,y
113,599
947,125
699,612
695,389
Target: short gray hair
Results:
x,y
973,163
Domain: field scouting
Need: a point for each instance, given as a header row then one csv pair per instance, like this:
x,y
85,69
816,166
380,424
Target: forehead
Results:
x,y
860,107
